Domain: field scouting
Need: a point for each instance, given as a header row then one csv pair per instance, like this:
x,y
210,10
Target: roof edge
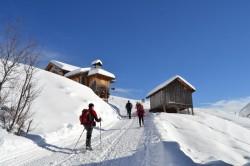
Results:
x,y
167,82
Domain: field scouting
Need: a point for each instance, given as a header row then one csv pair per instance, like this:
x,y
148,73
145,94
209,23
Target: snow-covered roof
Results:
x,y
96,62
64,66
164,84
77,71
94,71
91,71
73,70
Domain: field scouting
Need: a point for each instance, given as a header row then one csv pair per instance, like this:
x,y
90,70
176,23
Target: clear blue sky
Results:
x,y
146,42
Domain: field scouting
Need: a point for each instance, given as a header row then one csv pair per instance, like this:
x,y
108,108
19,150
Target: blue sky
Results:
x,y
146,42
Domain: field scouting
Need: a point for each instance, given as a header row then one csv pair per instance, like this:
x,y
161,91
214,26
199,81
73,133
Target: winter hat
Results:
x,y
91,105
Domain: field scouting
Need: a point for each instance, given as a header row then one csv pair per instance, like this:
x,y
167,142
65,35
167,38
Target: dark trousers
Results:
x,y
129,114
141,121
89,130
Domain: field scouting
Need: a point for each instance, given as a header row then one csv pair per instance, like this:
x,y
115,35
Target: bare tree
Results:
x,y
27,94
17,86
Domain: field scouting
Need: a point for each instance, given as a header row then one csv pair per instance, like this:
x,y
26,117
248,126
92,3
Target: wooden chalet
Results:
x,y
60,68
95,77
172,96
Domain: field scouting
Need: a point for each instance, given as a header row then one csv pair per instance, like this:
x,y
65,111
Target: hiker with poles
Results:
x,y
129,108
140,113
88,120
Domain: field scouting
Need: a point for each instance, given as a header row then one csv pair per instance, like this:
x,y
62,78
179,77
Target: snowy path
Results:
x,y
123,144
118,144
119,141
166,139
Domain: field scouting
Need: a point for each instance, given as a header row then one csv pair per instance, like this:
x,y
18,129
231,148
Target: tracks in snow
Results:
x,y
118,141
123,144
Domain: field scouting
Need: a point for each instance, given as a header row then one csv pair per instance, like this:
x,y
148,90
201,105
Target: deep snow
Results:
x,y
56,115
207,138
61,102
119,103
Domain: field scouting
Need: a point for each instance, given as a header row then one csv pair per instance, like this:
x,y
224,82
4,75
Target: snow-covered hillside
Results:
x,y
207,138
245,111
56,113
120,103
61,102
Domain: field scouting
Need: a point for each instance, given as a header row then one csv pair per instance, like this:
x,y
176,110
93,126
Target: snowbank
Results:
x,y
206,137
10,143
61,101
121,102
56,112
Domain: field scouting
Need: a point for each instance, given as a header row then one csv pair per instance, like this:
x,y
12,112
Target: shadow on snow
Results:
x,y
37,139
162,154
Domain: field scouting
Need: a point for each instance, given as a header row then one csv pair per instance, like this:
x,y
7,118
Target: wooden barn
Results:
x,y
173,95
95,77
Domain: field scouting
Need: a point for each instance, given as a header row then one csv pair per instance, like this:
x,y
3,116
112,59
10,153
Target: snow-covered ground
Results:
x,y
166,139
62,101
245,111
56,116
119,103
207,138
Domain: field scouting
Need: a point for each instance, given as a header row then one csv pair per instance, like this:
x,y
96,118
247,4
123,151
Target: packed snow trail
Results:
x,y
123,144
119,141
165,140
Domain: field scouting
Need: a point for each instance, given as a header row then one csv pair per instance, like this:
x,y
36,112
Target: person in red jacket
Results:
x,y
140,113
89,125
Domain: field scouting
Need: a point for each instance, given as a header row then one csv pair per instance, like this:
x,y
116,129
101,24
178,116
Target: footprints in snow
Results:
x,y
68,91
154,139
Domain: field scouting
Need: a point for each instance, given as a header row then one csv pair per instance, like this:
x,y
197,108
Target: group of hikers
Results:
x,y
139,109
89,118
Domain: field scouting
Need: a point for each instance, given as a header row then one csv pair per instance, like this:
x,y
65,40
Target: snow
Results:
x,y
96,62
119,103
245,111
230,116
164,84
64,66
56,115
94,71
165,139
207,138
61,102
91,71
77,71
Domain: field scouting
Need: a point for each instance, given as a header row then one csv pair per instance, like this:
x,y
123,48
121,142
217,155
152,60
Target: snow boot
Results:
x,y
89,148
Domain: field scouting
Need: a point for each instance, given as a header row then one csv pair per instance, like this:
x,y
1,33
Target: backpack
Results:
x,y
140,110
85,117
129,106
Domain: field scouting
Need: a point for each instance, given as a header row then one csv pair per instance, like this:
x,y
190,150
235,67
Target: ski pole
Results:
x,y
79,139
100,133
